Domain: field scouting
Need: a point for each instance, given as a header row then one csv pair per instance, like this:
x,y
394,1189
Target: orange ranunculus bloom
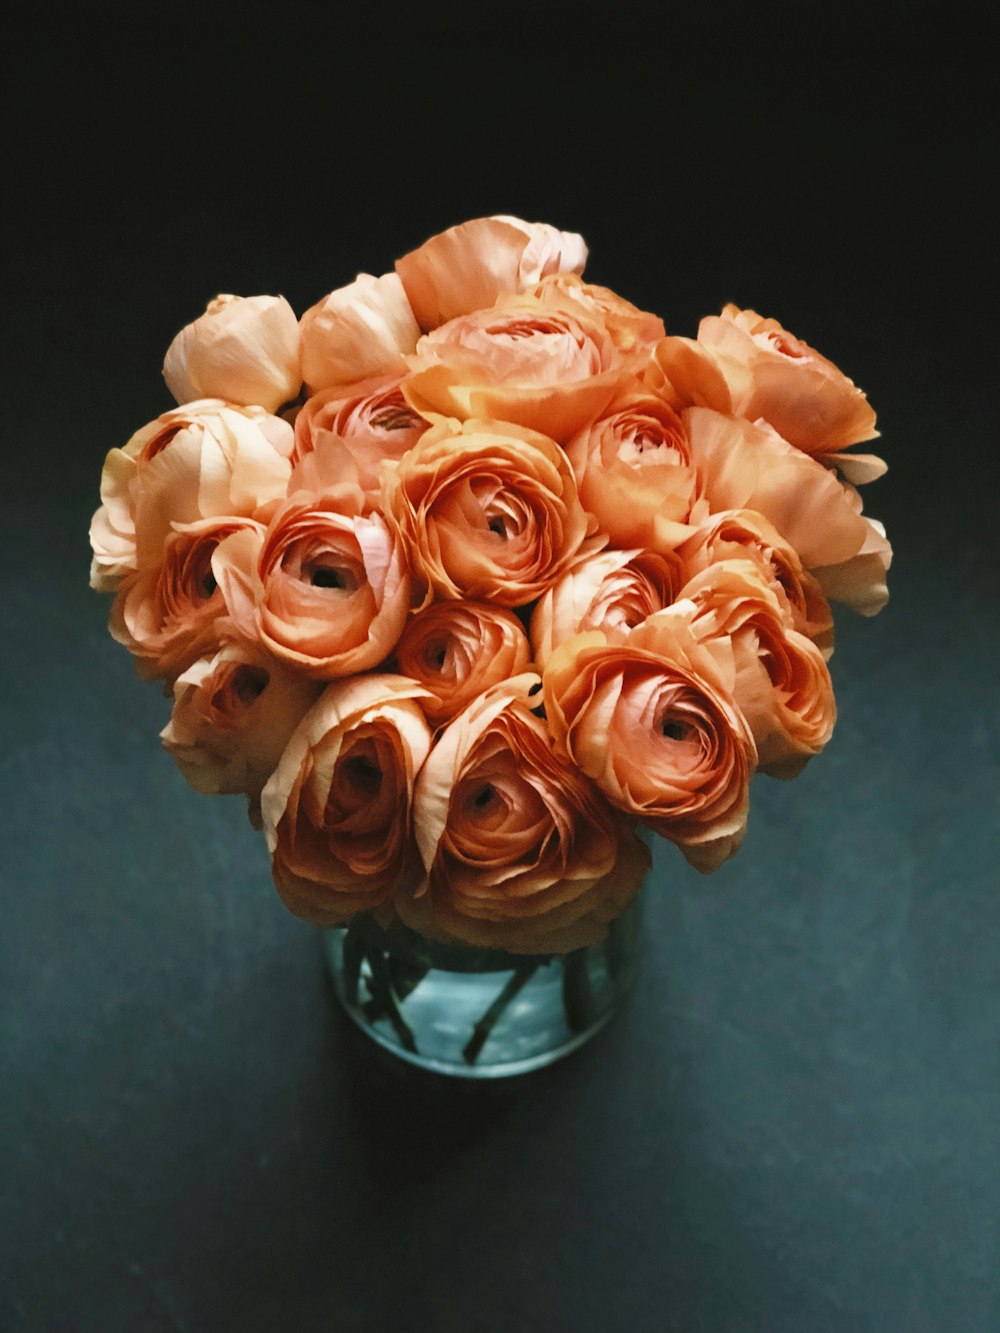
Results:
x,y
325,587
172,613
782,684
233,715
469,267
542,364
635,473
521,850
352,433
487,510
742,534
745,466
612,591
243,349
633,331
793,388
457,651
336,811
358,332
652,721
203,460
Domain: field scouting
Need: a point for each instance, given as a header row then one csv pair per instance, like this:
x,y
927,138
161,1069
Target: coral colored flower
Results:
x,y
324,588
469,267
612,591
487,510
793,388
357,332
174,612
353,433
652,721
782,684
233,715
457,651
336,811
635,474
633,331
544,365
203,460
745,466
243,349
521,850
741,534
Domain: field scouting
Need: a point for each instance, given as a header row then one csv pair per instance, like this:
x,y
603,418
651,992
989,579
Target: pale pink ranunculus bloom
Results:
x,y
652,721
458,650
636,475
358,332
232,717
521,851
635,332
487,510
612,591
470,266
782,684
243,349
539,364
741,465
324,588
351,433
742,534
805,397
336,810
171,613
204,460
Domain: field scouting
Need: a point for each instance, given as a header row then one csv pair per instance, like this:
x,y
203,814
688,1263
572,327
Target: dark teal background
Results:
x,y
794,1126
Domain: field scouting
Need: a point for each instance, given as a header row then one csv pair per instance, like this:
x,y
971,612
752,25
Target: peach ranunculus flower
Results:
x,y
469,267
613,591
358,332
741,534
793,388
203,460
542,364
324,588
233,715
782,684
635,473
741,465
457,651
169,614
487,510
652,721
358,429
336,811
243,349
521,850
633,331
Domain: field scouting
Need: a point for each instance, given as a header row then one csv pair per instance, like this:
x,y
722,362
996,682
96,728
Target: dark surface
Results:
x,y
794,1127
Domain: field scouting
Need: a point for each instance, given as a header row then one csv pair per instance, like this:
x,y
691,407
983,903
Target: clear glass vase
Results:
x,y
478,1013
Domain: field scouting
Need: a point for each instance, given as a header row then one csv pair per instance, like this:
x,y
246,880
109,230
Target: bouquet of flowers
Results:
x,y
473,571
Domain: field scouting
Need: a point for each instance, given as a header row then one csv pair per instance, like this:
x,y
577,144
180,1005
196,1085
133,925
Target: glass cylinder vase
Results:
x,y
478,1013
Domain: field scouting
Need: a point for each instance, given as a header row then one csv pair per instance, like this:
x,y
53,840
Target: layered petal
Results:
x,y
522,853
336,811
457,651
357,332
243,349
487,510
233,714
652,721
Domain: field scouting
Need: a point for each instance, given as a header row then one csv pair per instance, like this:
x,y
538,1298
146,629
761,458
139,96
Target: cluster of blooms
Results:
x,y
473,570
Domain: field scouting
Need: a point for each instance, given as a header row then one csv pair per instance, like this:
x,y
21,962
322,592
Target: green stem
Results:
x,y
380,985
520,977
577,993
